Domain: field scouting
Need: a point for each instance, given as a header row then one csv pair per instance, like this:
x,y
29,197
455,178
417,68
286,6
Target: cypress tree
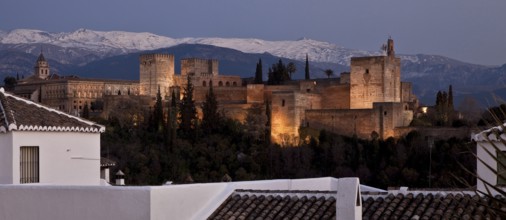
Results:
x,y
172,119
307,68
258,73
450,98
86,111
158,112
187,110
210,117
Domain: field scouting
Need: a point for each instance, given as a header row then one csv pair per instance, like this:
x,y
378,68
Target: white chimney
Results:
x,y
120,178
348,199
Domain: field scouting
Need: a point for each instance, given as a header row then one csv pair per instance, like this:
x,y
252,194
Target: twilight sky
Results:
x,y
468,30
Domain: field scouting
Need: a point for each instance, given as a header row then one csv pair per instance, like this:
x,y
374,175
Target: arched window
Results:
x,y
234,83
220,83
227,84
204,83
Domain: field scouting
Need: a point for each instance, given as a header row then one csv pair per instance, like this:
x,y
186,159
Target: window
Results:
x,y
29,165
227,83
366,70
283,103
501,168
204,83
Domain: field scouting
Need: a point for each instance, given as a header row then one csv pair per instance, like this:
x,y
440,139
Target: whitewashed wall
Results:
x,y
481,170
191,201
6,158
65,158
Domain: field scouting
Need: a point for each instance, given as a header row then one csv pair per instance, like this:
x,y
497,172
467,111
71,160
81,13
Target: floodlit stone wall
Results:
x,y
156,70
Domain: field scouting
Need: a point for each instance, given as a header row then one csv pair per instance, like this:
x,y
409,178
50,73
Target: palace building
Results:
x,y
369,101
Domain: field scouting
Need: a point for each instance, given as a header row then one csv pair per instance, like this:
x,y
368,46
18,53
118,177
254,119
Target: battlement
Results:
x,y
199,61
156,56
199,67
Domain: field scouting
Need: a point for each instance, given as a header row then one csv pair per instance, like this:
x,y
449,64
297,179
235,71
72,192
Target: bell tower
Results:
x,y
41,67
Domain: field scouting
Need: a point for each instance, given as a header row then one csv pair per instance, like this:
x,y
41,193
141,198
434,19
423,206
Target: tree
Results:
x,y
172,119
258,73
157,123
86,111
329,72
210,117
307,68
188,111
256,122
10,82
278,74
291,68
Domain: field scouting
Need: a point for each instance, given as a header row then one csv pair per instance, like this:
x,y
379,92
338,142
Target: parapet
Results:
x,y
155,56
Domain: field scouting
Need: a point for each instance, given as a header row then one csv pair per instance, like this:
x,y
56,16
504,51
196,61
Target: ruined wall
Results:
x,y
374,79
199,67
156,70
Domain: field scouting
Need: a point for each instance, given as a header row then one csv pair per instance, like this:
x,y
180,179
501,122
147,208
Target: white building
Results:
x,y
46,146
489,144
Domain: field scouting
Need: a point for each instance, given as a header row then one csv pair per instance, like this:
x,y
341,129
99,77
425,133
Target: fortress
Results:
x,y
368,101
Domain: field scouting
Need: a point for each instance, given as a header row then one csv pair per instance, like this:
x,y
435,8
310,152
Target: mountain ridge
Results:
x,y
84,51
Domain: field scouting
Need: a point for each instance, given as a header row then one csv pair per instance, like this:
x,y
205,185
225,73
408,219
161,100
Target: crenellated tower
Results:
x,y
375,79
156,70
199,67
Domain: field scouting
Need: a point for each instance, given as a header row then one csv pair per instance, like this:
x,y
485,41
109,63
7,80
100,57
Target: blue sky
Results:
x,y
468,30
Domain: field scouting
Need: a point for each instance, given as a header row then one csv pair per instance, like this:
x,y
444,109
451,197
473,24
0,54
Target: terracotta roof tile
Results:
x,y
21,114
263,204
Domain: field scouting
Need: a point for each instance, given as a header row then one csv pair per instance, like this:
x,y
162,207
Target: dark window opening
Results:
x,y
29,164
283,103
366,70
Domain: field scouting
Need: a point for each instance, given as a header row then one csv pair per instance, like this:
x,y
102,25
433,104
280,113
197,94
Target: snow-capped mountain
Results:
x,y
118,42
114,54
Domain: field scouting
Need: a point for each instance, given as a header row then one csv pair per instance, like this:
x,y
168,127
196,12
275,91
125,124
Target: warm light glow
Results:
x,y
424,110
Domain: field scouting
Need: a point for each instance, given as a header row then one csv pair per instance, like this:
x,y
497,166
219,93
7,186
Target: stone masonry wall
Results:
x,y
156,70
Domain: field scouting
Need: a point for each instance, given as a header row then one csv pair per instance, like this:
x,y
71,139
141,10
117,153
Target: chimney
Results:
x,y
348,199
120,178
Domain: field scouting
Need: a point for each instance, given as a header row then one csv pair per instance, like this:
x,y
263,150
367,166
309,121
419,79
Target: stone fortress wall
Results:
x,y
156,71
370,99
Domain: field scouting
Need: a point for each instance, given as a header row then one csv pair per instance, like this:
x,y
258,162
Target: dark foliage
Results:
x,y
278,73
259,73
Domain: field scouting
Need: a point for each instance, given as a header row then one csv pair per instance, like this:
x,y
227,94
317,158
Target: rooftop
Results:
x,y
23,115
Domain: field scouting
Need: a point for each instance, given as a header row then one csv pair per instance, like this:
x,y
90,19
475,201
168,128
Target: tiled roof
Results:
x,y
256,204
106,162
436,205
41,58
493,134
24,115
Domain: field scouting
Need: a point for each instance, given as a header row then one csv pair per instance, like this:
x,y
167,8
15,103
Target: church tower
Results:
x,y
41,67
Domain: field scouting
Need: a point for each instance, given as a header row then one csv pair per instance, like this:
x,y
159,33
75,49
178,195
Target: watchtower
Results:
x,y
156,70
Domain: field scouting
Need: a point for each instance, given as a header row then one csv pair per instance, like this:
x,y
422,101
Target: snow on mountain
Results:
x,y
109,41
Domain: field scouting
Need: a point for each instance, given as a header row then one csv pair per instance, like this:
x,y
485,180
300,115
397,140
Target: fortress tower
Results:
x,y
41,68
199,67
375,79
156,70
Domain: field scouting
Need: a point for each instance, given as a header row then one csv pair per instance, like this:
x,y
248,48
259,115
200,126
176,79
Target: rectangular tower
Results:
x,y
375,79
156,71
